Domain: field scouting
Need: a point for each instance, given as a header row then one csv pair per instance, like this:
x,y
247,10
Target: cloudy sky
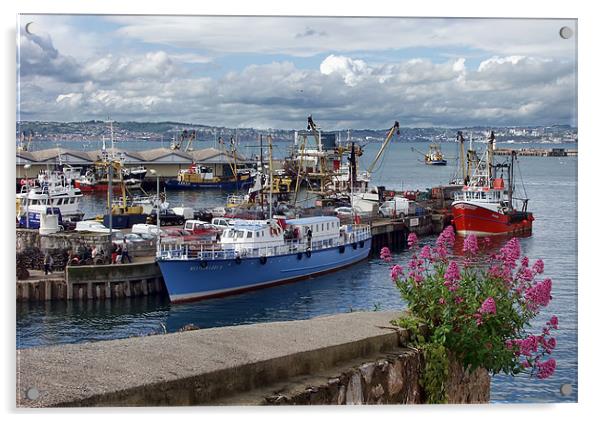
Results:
x,y
268,72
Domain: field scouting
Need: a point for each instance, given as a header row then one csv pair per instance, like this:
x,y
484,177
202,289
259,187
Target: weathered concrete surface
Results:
x,y
352,358
196,367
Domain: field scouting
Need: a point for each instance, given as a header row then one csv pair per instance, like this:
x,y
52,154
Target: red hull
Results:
x,y
473,219
98,187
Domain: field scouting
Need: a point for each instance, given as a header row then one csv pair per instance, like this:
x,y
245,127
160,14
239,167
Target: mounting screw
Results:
x,y
566,389
33,393
566,32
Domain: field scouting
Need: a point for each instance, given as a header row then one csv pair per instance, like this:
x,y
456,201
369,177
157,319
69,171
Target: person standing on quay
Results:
x,y
48,262
125,253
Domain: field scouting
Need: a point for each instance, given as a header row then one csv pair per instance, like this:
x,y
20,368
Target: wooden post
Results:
x,y
48,290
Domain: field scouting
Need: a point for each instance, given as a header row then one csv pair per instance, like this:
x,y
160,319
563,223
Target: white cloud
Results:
x,y
343,92
284,35
352,71
519,82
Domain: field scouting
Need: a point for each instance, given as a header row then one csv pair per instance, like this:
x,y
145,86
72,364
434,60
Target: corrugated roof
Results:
x,y
205,155
54,153
97,154
213,154
26,155
155,154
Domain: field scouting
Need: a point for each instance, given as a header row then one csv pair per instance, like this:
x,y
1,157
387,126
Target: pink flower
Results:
x,y
396,272
548,345
526,274
447,237
488,306
478,318
416,276
385,254
458,299
452,273
538,266
524,261
470,245
528,345
441,251
412,240
546,369
425,253
553,322
539,294
441,301
510,252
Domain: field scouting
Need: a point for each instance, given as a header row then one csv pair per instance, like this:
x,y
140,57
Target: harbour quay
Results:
x,y
143,277
537,152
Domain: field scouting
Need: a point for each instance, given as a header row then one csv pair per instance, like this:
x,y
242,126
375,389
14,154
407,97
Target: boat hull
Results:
x,y
436,162
190,280
98,187
469,218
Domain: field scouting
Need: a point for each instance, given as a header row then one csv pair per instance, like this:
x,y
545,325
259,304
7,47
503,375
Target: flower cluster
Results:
x,y
412,240
539,294
480,313
396,272
471,245
385,254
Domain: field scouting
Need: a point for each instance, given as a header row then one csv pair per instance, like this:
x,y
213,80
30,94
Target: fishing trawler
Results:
x,y
255,254
485,206
434,156
201,177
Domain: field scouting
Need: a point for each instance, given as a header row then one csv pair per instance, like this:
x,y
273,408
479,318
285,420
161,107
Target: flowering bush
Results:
x,y
480,313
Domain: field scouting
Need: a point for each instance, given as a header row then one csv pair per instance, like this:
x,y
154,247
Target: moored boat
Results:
x,y
434,156
50,189
485,206
201,177
255,254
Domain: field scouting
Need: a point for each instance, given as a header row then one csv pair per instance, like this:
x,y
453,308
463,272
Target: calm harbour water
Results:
x,y
551,184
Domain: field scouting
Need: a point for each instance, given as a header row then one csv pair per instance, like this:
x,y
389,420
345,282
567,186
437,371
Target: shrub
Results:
x,y
476,307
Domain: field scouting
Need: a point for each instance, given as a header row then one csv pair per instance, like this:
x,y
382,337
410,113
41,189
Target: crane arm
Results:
x,y
392,131
312,126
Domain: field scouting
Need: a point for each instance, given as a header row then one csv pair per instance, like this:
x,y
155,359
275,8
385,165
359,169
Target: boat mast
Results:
x,y
261,169
511,180
460,138
352,174
271,180
490,156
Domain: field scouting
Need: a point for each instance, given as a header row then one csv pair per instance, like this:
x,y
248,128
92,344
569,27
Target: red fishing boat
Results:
x,y
486,204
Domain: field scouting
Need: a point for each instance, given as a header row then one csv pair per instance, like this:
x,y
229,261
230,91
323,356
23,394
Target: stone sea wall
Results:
x,y
351,358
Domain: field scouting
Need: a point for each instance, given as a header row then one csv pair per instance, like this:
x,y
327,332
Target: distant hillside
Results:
x,y
157,131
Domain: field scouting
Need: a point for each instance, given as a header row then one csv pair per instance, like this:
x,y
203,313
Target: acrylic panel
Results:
x,y
295,210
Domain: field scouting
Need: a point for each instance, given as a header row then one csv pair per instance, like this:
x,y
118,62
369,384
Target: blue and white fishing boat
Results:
x,y
255,254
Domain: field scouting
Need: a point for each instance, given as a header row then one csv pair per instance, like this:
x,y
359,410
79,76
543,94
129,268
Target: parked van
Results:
x,y
145,229
221,223
397,207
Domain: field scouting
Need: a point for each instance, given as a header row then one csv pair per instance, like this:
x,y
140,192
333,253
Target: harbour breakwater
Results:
x,y
350,358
